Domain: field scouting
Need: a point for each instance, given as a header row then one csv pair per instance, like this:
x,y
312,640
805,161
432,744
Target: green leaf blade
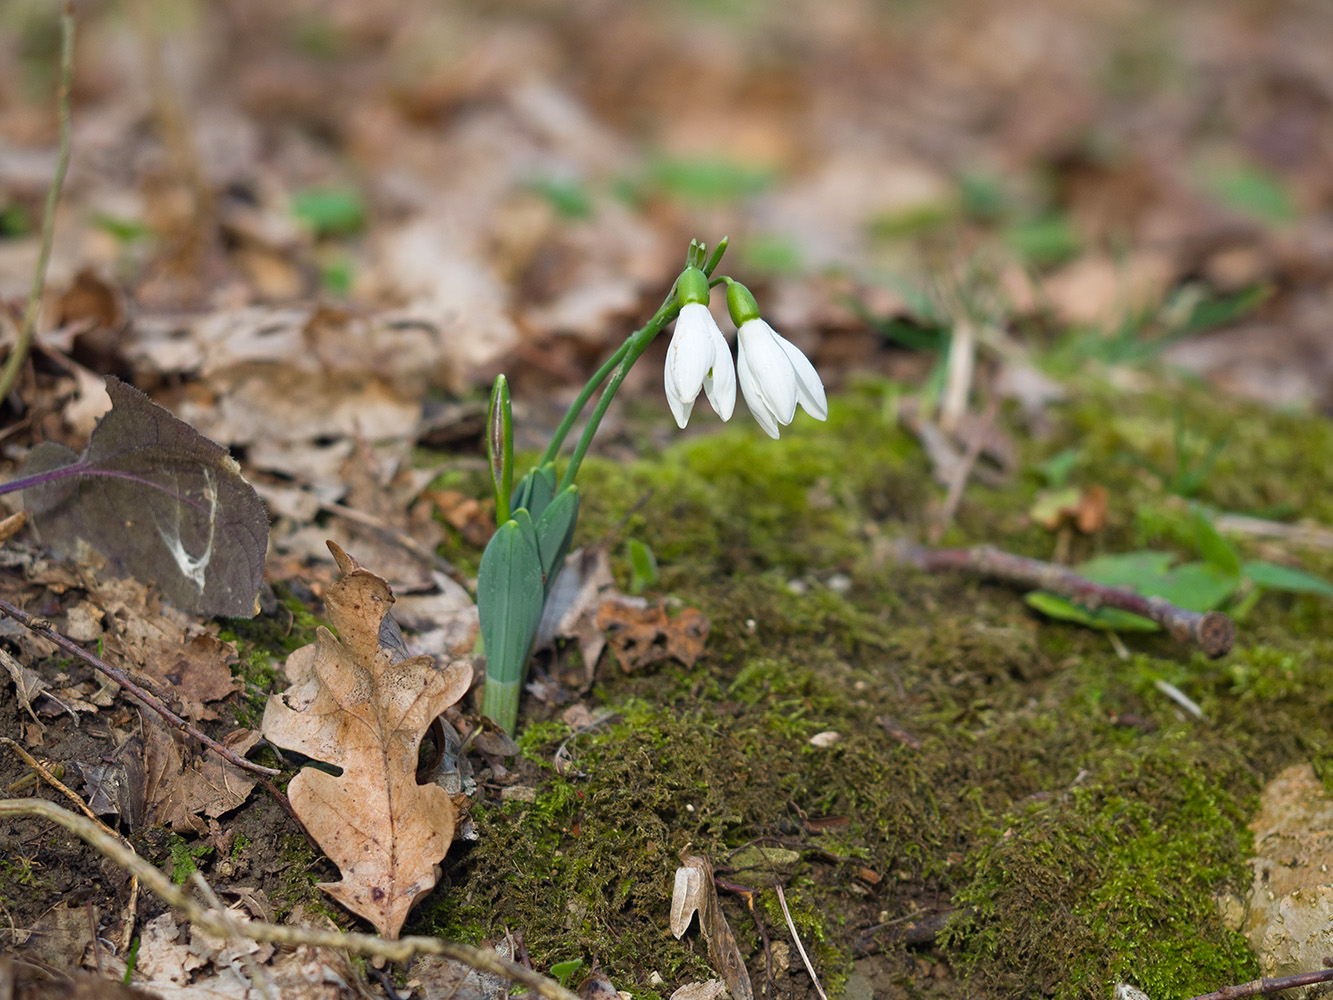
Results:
x,y
1274,576
1106,619
510,596
555,531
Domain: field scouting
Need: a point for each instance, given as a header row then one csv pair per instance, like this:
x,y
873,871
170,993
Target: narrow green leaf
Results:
x,y
529,530
1274,576
536,489
555,531
1106,619
500,447
1211,546
510,596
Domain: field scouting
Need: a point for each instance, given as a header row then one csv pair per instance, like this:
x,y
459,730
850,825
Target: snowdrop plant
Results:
x,y
537,515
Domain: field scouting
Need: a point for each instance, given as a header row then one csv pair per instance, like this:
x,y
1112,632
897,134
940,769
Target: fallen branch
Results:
x,y
223,924
43,626
20,352
1212,631
1261,987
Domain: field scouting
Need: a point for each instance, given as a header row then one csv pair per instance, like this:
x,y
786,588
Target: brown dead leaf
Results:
x,y
640,637
1085,509
361,706
695,892
474,520
184,784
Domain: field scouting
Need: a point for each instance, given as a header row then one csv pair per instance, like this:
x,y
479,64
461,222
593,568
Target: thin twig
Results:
x,y
174,131
220,923
19,354
1260,987
791,926
120,677
962,472
1213,632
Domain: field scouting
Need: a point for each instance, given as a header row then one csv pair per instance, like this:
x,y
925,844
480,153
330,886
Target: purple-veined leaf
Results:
x,y
159,500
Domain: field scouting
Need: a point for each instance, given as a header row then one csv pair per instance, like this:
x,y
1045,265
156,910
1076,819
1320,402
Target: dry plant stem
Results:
x,y
66,791
175,131
19,354
223,924
1261,987
1311,536
961,365
782,900
960,477
121,678
1213,632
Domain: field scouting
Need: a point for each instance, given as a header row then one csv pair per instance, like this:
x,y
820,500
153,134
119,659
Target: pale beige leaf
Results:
x,y
695,890
361,706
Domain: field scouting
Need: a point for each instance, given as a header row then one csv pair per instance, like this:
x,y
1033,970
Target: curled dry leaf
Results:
x,y
362,706
641,637
694,890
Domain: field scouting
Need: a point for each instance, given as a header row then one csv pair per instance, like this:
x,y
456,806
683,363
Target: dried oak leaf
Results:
x,y
359,704
640,637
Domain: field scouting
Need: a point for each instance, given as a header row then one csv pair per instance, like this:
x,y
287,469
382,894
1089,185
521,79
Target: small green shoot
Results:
x,y
643,566
1251,191
703,181
569,198
1045,241
1057,469
330,211
562,971
131,960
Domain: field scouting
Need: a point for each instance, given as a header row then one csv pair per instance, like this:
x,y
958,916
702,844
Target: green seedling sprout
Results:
x,y
537,515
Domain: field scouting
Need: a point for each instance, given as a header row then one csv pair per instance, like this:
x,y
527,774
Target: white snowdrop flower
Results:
x,y
774,374
698,357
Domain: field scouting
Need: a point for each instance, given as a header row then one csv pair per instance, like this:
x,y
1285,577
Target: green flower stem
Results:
x,y
664,315
632,349
576,407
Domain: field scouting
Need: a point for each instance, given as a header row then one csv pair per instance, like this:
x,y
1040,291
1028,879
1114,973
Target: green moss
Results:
x,y
185,857
262,644
302,869
1114,880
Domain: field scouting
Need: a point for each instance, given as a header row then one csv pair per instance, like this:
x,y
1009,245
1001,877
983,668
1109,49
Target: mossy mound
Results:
x,y
1076,850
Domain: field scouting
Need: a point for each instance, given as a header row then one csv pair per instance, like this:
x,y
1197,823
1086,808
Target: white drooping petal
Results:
x,y
698,358
775,375
754,398
809,386
770,367
688,359
720,382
